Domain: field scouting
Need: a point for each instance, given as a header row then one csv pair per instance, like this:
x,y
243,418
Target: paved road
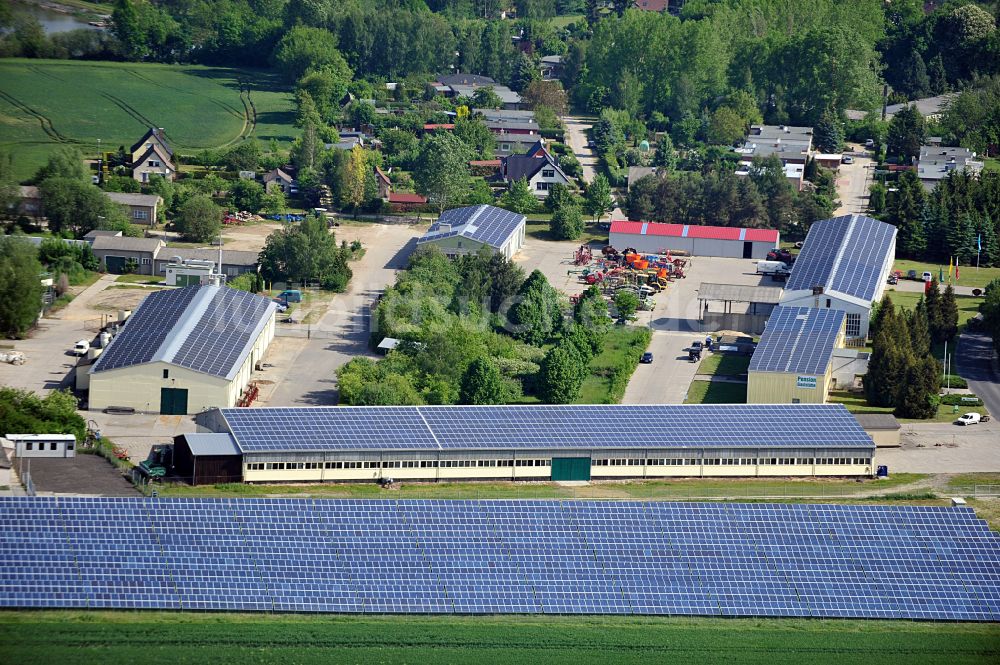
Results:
x,y
918,287
576,137
306,371
852,184
974,362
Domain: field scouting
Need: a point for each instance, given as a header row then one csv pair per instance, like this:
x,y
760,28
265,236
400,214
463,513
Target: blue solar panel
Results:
x,y
545,427
147,329
847,254
799,340
470,557
209,329
218,341
483,223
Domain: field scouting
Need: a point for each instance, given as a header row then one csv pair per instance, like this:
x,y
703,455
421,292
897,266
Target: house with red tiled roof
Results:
x,y
383,182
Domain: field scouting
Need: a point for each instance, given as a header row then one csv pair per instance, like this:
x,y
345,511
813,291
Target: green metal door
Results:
x,y
115,264
173,401
570,468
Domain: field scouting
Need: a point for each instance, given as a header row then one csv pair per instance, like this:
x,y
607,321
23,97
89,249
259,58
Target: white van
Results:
x,y
771,267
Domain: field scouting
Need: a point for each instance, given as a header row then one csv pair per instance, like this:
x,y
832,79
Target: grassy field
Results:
x,y
563,21
679,489
537,226
724,364
45,104
968,306
110,638
969,275
623,347
714,392
991,165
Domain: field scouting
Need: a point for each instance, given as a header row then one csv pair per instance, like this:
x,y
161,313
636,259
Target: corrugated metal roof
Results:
x,y
767,295
207,443
696,231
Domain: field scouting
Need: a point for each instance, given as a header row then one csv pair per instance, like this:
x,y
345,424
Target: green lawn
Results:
x,y
45,104
140,279
724,364
563,21
611,369
969,276
713,392
992,165
537,226
662,490
856,403
968,306
112,638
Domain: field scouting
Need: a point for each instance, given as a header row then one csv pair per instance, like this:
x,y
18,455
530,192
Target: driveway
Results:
x,y
944,448
852,183
303,371
974,362
912,286
576,138
48,361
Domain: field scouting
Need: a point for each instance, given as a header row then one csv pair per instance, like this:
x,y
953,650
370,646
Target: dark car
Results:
x,y
647,358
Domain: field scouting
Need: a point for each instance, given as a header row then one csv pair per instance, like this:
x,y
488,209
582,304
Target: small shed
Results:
x,y
208,459
43,445
883,428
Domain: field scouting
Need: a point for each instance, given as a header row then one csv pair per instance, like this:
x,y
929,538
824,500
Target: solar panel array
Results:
x,y
220,338
484,223
845,254
573,557
815,262
860,270
799,340
206,328
545,427
146,329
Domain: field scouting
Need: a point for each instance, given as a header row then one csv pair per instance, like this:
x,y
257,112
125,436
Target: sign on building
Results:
x,y
805,382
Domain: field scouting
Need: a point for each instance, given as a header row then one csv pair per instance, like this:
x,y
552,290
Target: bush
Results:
x,y
958,400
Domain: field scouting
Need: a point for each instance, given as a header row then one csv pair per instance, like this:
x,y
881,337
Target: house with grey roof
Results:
x,y
234,262
789,144
537,166
152,156
461,231
142,208
184,351
118,254
936,163
465,85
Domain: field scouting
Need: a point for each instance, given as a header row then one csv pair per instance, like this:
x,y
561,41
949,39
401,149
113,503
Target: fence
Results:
x,y
975,491
304,333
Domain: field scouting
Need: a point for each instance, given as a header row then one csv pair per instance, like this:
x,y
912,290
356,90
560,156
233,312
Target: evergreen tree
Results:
x,y
883,308
937,77
920,333
907,132
919,394
961,238
933,299
987,234
886,370
949,315
828,135
665,157
913,76
482,383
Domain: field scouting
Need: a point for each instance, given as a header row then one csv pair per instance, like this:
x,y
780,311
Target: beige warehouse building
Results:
x,y
184,351
793,360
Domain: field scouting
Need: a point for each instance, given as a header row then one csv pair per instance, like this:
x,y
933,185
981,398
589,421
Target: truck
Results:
x,y
778,270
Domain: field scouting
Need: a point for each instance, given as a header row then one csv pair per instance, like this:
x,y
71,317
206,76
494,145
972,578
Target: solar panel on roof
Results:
x,y
483,223
469,557
797,339
544,427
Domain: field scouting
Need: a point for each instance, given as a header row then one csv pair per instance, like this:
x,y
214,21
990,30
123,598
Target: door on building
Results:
x,y
570,468
747,250
115,264
173,401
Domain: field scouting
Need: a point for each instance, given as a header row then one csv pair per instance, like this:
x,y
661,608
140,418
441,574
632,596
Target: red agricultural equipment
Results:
x,y
583,256
249,395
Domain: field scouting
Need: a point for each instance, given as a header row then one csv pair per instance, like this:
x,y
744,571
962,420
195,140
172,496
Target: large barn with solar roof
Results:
x,y
843,265
183,351
461,231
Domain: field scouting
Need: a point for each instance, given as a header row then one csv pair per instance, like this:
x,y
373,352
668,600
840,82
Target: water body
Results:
x,y
53,21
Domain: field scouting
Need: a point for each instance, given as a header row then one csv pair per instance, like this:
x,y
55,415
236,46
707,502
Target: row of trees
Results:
x,y
902,372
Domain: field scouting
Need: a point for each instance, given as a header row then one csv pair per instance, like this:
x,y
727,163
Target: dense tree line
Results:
x,y
20,287
902,373
26,412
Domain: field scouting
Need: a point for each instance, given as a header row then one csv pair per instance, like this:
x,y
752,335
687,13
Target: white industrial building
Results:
x,y
844,264
183,351
43,445
724,241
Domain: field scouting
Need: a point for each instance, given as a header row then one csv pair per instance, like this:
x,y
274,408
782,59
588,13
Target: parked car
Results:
x,y
870,143
926,276
911,274
894,277
647,358
969,419
282,307
846,159
81,348
290,295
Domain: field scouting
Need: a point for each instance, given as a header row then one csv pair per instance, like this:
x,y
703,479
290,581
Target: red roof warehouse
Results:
x,y
725,241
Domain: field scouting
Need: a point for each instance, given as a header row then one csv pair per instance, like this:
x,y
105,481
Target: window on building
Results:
x,y
28,445
548,173
154,163
166,374
140,214
146,260
828,303
72,444
853,324
505,147
541,186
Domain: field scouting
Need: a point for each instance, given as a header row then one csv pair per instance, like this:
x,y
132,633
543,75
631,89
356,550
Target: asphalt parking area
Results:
x,y
83,474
